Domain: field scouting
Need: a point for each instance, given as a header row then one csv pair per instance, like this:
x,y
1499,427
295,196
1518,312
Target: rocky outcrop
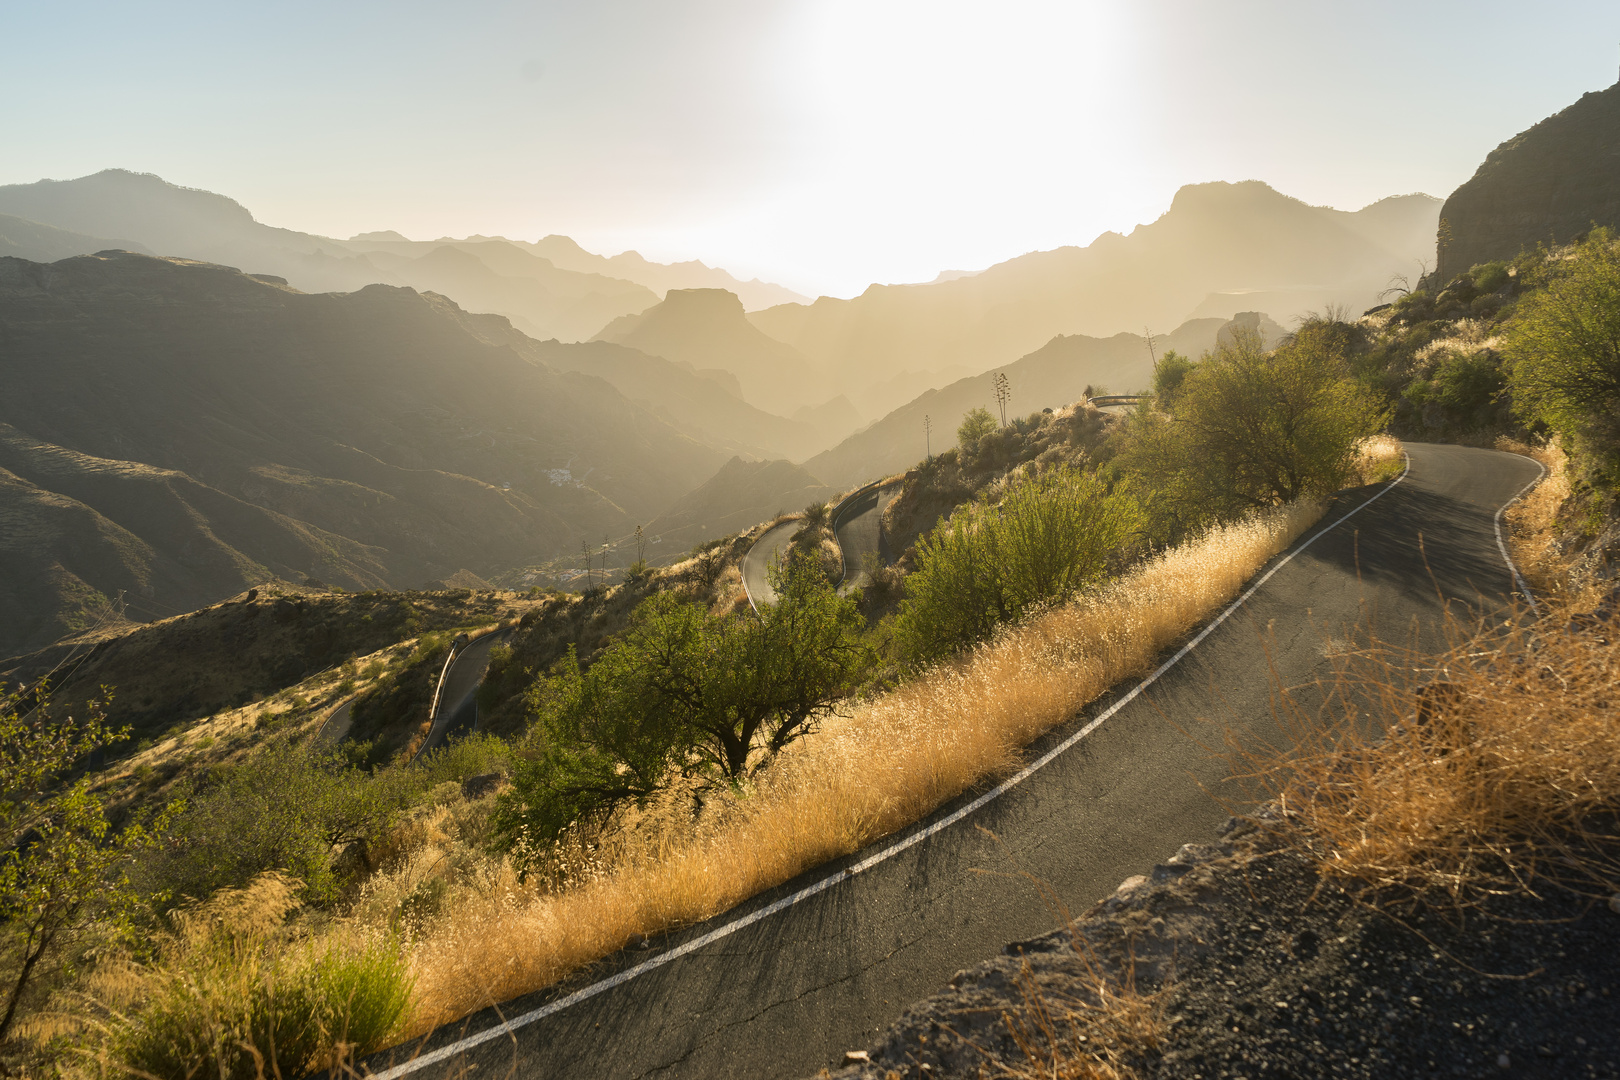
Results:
x,y
1549,185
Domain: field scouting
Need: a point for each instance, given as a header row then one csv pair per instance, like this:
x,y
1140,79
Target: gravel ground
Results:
x,y
1263,969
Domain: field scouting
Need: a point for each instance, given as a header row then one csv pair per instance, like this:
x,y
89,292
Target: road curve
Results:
x,y
778,988
859,528
458,709
758,558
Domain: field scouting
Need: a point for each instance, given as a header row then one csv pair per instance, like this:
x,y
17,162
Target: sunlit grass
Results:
x,y
888,763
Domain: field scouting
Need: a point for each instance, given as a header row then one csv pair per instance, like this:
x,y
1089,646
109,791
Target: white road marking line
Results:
x,y
507,1027
1496,523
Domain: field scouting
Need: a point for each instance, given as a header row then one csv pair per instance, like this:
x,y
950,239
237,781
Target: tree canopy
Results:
x,y
1248,429
683,694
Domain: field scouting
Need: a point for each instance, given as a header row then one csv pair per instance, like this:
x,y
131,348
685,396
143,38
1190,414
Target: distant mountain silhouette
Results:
x,y
503,278
1052,376
739,496
1216,238
516,280
662,277
177,431
1546,185
707,328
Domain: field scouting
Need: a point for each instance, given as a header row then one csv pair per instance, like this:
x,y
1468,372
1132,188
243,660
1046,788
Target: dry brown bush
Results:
x,y
1500,774
1087,1034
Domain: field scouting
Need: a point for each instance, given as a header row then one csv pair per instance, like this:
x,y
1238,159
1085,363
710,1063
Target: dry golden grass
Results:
x,y
1379,458
1533,532
1088,1033
1506,780
888,763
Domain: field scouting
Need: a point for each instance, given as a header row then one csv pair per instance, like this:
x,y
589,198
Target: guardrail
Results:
x,y
1103,401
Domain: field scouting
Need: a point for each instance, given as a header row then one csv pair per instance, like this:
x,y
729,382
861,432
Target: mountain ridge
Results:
x,y
1214,238
384,435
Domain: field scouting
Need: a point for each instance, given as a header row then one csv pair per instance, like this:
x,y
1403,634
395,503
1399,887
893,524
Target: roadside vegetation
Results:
x,y
1482,801
654,753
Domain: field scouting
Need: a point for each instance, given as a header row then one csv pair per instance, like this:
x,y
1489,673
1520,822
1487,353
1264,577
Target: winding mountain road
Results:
x,y
786,982
858,524
458,711
757,560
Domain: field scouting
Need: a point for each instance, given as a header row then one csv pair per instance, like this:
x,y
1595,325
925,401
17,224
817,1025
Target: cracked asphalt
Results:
x,y
791,992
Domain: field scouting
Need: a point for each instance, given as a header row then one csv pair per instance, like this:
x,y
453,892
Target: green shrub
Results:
x,y
1489,277
231,994
472,755
1168,375
1564,341
976,424
284,809
1051,535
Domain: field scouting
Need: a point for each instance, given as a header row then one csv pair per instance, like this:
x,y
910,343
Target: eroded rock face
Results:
x,y
1548,184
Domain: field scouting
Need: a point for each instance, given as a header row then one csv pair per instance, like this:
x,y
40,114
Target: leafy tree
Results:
x,y
976,424
1052,534
64,881
1168,375
682,693
1563,344
1252,429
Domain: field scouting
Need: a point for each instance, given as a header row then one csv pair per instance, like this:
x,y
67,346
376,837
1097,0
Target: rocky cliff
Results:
x,y
1545,185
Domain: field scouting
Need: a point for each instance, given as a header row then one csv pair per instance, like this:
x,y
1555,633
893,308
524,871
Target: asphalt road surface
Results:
x,y
788,992
860,531
458,711
757,558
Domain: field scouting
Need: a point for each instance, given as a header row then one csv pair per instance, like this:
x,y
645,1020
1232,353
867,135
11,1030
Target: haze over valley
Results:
x,y
384,412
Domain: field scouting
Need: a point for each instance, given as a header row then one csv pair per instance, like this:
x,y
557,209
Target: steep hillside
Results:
x,y
705,404
708,328
1546,185
740,495
178,431
24,239
1215,238
1051,377
249,646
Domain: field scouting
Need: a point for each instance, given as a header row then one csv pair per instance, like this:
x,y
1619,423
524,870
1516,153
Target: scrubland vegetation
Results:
x,y
664,753
1497,778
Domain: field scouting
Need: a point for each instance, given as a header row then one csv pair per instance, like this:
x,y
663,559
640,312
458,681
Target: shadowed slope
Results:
x,y
379,436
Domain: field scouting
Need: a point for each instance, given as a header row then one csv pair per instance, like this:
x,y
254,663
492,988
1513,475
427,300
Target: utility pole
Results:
x,y
1003,395
928,436
585,552
604,559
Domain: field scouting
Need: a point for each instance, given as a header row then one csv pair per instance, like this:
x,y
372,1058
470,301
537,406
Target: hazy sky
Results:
x,y
821,143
